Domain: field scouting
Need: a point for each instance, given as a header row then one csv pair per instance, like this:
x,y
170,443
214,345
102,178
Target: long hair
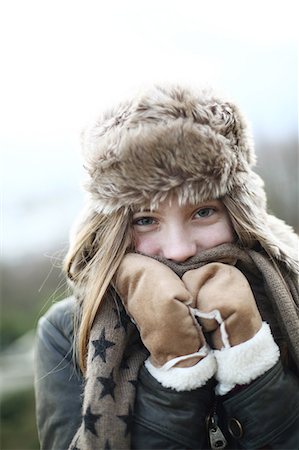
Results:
x,y
194,144
95,253
281,250
100,243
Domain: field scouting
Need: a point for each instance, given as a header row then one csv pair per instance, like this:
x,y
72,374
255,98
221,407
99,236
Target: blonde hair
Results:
x,y
90,264
98,247
249,234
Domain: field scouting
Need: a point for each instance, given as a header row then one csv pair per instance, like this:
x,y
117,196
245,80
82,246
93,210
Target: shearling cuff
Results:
x,y
245,362
184,378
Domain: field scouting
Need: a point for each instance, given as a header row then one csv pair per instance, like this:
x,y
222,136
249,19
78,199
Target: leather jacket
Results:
x,y
58,385
259,416
264,414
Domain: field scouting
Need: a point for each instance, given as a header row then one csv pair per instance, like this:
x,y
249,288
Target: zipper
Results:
x,y
216,437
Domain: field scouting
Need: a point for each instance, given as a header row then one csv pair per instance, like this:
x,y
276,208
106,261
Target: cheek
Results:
x,y
146,244
220,233
226,234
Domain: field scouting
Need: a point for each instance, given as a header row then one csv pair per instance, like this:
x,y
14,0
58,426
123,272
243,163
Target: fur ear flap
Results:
x,y
287,238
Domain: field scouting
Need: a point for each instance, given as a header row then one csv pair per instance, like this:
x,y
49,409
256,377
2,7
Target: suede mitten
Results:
x,y
158,302
224,293
226,308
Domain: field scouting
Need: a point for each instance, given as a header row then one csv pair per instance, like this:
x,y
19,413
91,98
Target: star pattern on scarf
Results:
x,y
89,421
122,318
130,351
107,445
133,383
124,363
108,385
101,345
128,419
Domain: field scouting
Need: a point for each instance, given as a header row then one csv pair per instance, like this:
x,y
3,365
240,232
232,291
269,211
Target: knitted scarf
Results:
x,y
116,353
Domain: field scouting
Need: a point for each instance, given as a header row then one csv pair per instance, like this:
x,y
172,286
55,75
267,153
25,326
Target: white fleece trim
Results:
x,y
184,378
247,361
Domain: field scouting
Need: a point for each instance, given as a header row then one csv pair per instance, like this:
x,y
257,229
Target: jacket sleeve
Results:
x,y
165,418
58,384
266,413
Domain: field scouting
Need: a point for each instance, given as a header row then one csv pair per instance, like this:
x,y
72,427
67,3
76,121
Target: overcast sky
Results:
x,y
62,61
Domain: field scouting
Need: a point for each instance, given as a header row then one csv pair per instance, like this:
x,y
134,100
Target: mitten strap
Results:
x,y
215,315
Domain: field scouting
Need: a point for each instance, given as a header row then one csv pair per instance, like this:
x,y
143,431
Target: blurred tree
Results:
x,y
278,166
18,428
28,288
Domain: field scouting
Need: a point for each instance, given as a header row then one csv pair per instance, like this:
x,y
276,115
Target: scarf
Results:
x,y
116,353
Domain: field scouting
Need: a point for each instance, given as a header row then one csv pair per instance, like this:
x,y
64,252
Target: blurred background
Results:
x,y
62,62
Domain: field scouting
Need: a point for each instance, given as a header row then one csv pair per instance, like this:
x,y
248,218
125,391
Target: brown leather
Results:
x,y
222,287
156,298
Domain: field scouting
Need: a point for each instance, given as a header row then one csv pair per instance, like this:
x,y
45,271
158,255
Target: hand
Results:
x,y
157,301
224,289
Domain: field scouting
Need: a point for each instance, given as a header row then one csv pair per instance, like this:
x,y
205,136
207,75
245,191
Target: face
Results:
x,y
180,232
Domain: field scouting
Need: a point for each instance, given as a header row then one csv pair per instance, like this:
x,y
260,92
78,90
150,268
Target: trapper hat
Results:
x,y
173,140
192,144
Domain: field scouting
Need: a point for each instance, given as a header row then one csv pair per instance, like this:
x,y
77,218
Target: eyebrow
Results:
x,y
144,211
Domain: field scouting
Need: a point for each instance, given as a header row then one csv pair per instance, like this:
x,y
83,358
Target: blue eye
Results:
x,y
144,221
205,212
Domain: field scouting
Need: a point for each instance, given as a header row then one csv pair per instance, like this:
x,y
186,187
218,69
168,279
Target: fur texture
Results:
x,y
194,145
178,141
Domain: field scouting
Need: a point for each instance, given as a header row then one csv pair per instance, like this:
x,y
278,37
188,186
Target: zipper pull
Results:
x,y
216,437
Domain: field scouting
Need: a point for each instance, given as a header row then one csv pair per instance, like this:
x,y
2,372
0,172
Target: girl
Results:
x,y
185,310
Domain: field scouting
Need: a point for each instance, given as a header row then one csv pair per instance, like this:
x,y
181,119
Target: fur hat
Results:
x,y
174,140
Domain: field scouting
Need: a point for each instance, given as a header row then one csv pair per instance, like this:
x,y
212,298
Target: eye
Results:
x,y
204,212
144,221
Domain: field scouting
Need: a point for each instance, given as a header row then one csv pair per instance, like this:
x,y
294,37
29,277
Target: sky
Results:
x,y
63,61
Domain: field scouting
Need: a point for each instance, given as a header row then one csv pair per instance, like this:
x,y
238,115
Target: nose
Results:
x,y
178,247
